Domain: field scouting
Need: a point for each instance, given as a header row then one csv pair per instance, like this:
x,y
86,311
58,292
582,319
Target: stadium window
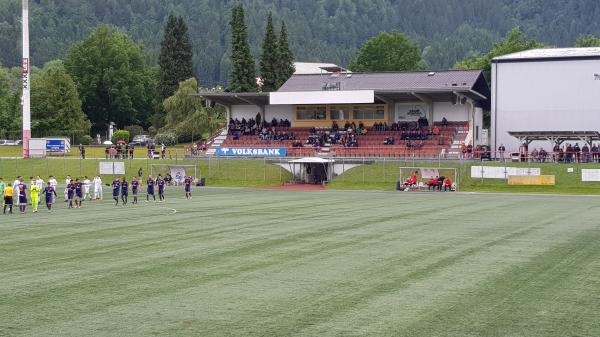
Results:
x,y
368,112
311,113
339,113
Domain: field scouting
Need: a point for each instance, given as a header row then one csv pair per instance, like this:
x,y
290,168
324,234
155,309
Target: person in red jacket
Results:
x,y
448,184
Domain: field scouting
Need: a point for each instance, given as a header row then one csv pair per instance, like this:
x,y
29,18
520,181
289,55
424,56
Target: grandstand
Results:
x,y
339,113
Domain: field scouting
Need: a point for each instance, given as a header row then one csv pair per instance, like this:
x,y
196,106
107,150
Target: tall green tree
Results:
x,y
176,56
186,117
269,58
10,107
243,71
584,41
388,52
285,57
515,41
114,82
55,104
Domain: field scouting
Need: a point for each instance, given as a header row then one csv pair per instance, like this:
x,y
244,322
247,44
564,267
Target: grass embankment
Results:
x,y
96,151
244,173
383,176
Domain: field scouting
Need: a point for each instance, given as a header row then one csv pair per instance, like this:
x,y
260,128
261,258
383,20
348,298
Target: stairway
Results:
x,y
217,142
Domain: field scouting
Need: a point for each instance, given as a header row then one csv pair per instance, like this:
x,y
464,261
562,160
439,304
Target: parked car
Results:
x,y
140,140
2,142
12,142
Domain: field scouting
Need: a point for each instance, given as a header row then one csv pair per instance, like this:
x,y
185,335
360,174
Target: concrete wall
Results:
x,y
279,112
453,113
544,96
244,111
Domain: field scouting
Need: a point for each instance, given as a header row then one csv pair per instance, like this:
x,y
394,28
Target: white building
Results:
x,y
544,91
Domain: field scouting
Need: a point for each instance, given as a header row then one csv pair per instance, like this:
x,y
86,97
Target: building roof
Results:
x,y
550,54
305,68
230,98
387,81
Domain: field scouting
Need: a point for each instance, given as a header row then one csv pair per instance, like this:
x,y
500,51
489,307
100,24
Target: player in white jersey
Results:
x,y
67,182
54,184
97,188
86,188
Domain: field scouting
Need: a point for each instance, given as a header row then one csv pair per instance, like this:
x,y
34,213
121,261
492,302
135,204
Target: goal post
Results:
x,y
426,173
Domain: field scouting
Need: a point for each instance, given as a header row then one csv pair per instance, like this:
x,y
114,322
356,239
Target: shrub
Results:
x,y
166,138
120,135
86,140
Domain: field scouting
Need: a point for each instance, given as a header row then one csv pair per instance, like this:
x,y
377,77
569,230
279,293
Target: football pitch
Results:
x,y
242,262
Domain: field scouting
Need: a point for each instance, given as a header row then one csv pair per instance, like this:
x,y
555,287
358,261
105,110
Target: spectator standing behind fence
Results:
x,y
81,151
163,151
501,150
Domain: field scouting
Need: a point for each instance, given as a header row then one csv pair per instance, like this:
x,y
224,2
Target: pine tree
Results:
x,y
269,63
285,58
243,72
175,60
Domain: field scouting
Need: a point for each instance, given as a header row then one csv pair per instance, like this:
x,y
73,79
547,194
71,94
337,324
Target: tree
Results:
x,y
10,104
515,41
285,57
55,104
176,57
584,41
387,52
186,117
243,73
269,59
114,83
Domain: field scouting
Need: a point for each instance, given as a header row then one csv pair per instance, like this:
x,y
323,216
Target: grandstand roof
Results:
x,y
550,54
230,98
305,68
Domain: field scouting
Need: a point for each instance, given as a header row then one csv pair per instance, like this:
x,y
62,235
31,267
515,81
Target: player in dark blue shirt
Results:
x,y
116,185
50,195
22,191
124,191
188,187
160,182
78,193
135,185
70,192
150,189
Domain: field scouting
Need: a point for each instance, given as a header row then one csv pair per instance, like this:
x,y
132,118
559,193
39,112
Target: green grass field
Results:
x,y
241,262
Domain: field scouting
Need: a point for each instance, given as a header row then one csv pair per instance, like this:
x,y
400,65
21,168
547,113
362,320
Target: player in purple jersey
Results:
x,y
22,191
135,185
124,191
78,193
150,189
188,187
50,193
116,185
70,192
160,182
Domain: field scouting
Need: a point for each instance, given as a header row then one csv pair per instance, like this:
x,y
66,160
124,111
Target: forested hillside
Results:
x,y
319,30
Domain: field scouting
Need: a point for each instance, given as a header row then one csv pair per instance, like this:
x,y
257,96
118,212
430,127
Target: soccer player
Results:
x,y
8,198
40,184
2,186
150,189
34,193
22,191
135,184
70,192
116,185
188,187
124,191
160,182
97,188
68,180
50,193
78,193
86,188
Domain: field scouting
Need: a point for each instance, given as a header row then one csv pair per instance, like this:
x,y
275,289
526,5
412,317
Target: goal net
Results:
x,y
175,171
426,173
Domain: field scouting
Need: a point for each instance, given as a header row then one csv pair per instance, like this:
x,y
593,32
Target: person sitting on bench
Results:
x,y
432,184
448,184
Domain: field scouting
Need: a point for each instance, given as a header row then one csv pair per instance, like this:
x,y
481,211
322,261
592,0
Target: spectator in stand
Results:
x,y
501,150
569,154
594,153
577,152
444,122
555,151
436,131
585,153
535,155
543,155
